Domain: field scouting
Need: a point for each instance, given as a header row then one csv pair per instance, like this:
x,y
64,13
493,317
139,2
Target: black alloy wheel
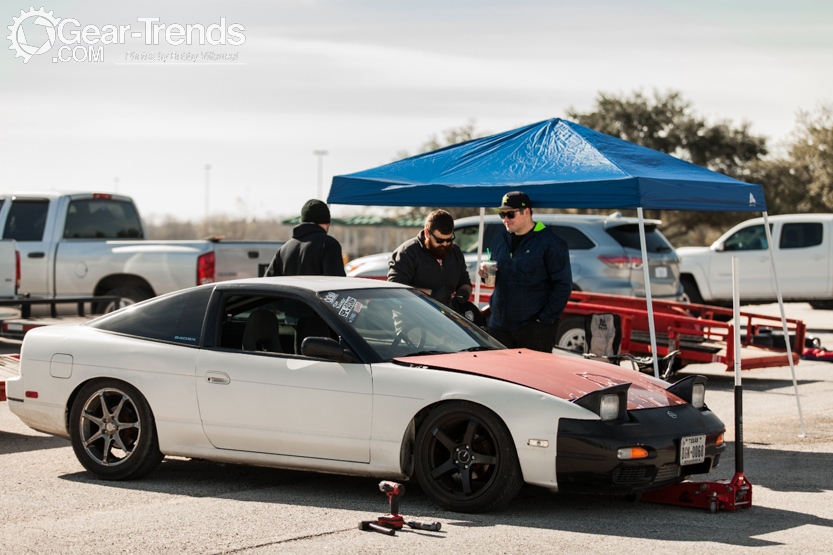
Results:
x,y
113,432
465,458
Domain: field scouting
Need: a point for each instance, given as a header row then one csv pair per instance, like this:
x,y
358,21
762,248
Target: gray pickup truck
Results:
x,y
94,244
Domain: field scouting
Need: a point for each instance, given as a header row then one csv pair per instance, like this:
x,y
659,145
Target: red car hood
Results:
x,y
563,376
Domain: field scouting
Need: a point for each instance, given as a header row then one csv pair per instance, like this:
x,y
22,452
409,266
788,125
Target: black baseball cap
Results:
x,y
515,200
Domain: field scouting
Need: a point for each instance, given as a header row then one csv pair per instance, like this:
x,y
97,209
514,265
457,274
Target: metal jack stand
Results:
x,y
724,495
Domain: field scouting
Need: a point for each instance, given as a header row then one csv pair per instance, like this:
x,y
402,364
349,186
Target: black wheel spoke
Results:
x,y
449,443
477,458
468,439
465,476
444,468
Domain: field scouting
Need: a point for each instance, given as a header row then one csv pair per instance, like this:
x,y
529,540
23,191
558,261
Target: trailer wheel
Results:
x,y
712,506
570,335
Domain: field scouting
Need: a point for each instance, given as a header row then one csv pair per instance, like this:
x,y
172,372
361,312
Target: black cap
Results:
x,y
315,212
515,201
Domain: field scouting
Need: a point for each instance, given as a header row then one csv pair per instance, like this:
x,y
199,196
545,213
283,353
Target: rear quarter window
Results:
x,y
26,220
575,239
628,236
174,318
801,235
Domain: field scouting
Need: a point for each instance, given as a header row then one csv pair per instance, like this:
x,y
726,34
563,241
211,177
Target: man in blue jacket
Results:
x,y
533,280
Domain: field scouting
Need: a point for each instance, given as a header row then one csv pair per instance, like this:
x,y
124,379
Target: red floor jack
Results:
x,y
724,495
388,524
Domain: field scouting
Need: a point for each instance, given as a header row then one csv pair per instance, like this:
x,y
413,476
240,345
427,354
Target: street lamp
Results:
x,y
321,154
207,182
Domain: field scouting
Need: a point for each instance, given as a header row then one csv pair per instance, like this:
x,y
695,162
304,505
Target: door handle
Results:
x,y
217,377
36,255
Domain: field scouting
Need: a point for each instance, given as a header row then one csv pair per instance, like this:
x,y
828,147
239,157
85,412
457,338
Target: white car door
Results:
x,y
749,244
279,402
802,259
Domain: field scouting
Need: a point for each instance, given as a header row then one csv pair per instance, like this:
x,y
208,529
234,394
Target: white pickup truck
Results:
x,y
9,269
94,244
802,245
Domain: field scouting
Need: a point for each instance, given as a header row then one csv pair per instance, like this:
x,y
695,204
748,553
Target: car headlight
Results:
x,y
609,407
691,389
698,395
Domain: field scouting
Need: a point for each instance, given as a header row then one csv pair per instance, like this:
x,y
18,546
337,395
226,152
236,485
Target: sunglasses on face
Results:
x,y
510,214
442,241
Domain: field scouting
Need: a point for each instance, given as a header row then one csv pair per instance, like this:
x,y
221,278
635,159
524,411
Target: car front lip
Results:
x,y
587,450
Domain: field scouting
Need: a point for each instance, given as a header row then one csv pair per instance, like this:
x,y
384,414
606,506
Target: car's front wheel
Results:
x,y
113,432
465,458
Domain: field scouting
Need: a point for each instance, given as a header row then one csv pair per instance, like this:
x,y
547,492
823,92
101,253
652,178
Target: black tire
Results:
x,y
822,305
446,451
119,443
130,294
691,290
570,334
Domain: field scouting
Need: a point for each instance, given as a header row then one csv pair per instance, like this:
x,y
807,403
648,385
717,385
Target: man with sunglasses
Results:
x,y
533,279
431,262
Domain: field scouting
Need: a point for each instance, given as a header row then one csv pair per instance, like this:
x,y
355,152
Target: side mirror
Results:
x,y
327,348
718,247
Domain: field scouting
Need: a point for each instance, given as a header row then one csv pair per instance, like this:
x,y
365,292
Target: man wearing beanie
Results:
x,y
310,251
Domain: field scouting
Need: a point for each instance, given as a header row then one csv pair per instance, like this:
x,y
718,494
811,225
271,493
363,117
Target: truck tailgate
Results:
x,y
243,259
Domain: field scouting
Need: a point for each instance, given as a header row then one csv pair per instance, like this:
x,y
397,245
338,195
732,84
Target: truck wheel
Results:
x,y
570,335
113,432
130,294
691,290
822,305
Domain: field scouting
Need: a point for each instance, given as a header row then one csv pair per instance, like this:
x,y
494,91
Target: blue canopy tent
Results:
x,y
559,164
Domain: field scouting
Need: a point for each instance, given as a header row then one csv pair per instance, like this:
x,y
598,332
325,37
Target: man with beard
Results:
x,y
431,262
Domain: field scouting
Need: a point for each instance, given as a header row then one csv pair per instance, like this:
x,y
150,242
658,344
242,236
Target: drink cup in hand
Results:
x,y
490,267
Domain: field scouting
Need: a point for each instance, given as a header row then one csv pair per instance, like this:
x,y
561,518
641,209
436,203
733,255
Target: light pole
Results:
x,y
207,183
321,154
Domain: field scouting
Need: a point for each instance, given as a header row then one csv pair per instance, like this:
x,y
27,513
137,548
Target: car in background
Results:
x,y
354,376
605,253
802,246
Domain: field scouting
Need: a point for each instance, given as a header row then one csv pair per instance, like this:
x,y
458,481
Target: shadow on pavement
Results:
x,y
725,382
533,508
20,443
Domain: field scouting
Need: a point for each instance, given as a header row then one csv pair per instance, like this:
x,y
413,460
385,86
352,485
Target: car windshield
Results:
x,y
403,322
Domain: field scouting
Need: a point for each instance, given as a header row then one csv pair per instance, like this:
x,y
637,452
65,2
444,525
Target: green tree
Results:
x,y
811,158
666,122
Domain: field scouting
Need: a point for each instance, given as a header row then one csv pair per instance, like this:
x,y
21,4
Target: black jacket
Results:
x,y
412,264
310,252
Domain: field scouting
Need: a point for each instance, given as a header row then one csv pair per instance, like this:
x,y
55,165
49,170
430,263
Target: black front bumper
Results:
x,y
586,460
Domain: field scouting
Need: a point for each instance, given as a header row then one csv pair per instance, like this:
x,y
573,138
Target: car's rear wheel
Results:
x,y
465,458
113,432
571,334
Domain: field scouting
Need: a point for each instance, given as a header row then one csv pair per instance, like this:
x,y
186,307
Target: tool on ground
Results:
x,y
420,525
393,491
371,526
724,495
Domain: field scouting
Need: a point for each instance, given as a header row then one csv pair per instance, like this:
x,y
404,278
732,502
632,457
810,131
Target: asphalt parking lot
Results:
x,y
49,504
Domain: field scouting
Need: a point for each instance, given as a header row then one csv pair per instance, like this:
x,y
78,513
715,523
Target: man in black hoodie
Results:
x,y
310,252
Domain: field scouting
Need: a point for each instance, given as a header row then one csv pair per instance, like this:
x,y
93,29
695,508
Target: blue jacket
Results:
x,y
534,283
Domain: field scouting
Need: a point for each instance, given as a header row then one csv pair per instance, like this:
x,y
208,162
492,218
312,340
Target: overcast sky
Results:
x,y
365,79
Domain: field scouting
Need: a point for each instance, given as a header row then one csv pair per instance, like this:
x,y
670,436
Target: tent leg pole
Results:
x,y
480,230
784,321
646,272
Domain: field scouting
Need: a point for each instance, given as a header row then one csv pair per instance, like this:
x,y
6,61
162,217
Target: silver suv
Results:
x,y
604,253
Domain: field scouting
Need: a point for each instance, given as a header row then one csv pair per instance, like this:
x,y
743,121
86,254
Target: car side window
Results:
x,y
269,324
176,318
26,220
801,235
575,239
102,219
467,236
752,238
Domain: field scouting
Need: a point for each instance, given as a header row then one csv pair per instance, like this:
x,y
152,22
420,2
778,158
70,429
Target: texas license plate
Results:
x,y
662,272
692,450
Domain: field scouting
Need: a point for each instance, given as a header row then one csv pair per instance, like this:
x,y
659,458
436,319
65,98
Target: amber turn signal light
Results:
x,y
631,453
